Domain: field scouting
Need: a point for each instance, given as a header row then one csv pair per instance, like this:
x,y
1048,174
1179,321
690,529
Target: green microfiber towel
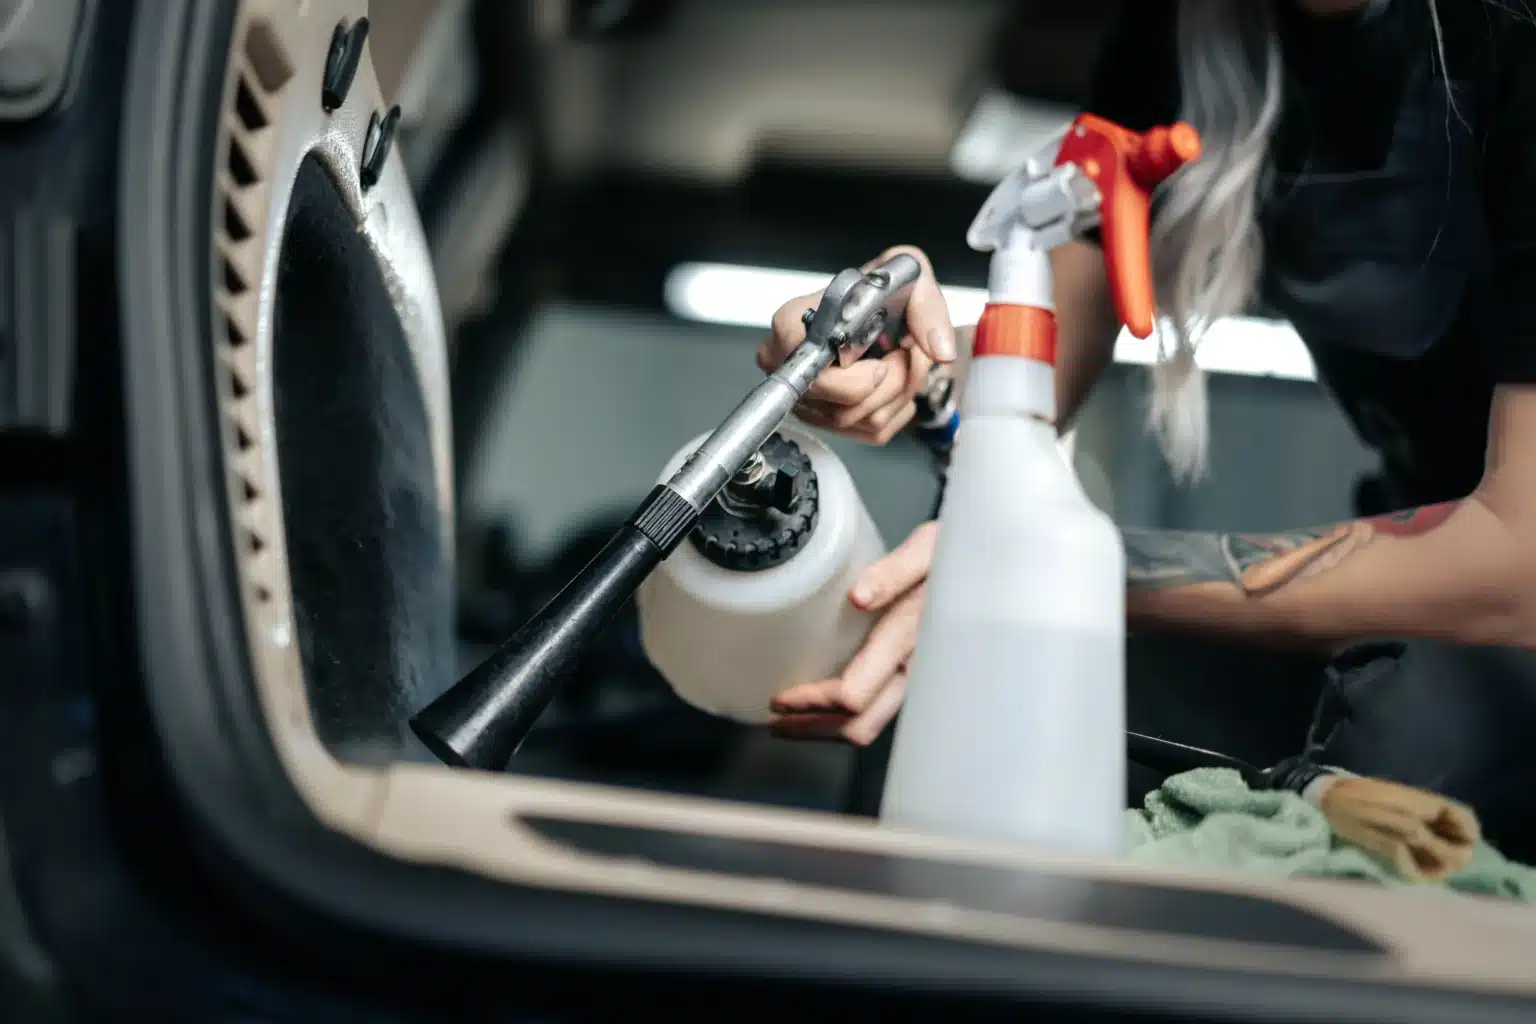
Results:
x,y
1209,819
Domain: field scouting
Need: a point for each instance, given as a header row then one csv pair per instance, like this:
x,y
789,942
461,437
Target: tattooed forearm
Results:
x,y
1259,563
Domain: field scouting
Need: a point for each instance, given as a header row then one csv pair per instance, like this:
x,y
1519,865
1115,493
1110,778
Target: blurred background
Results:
x,y
618,195
620,192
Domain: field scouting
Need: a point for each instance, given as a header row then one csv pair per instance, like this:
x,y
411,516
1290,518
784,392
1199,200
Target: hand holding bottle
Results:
x,y
857,705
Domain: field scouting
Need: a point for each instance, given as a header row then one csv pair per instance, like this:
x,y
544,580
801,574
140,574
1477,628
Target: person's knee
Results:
x,y
1438,713
1460,721
1250,704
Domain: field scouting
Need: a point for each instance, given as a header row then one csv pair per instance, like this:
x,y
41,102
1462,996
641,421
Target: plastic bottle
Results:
x,y
1014,723
756,600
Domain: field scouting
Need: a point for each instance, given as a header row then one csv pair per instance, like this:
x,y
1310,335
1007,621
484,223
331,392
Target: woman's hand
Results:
x,y
857,705
872,399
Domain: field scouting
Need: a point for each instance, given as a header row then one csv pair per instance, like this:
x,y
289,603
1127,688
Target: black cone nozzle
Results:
x,y
483,718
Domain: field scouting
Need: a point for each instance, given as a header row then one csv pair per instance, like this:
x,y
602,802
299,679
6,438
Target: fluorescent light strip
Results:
x,y
722,293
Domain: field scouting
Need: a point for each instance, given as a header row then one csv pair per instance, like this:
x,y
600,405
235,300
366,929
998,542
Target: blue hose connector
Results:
x,y
938,416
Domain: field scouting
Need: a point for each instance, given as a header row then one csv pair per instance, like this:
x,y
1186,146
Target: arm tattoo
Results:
x,y
1260,563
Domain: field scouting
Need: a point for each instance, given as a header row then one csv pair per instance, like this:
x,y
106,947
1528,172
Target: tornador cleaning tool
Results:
x,y
1014,724
482,719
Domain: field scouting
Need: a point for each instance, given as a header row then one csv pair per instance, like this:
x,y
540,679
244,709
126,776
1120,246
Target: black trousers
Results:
x,y
1460,721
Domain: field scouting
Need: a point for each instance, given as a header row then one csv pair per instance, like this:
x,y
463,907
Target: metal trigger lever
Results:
x,y
870,315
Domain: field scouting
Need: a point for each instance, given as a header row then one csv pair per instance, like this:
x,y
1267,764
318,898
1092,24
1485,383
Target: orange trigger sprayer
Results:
x,y
1014,726
1126,167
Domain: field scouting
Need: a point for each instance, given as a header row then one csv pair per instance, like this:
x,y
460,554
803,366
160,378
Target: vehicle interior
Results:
x,y
336,337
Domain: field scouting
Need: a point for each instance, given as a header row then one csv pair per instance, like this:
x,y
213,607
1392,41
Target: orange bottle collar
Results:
x,y
1026,332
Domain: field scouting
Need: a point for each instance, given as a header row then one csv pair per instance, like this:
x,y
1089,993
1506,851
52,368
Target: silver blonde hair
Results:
x,y
1206,246
1207,250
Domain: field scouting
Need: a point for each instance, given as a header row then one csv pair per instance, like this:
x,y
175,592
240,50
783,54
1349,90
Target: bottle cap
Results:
x,y
772,517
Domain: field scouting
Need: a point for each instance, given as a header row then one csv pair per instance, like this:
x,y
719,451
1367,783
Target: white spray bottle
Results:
x,y
1014,724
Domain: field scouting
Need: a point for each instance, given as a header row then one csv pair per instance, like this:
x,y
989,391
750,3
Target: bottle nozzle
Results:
x,y
1162,152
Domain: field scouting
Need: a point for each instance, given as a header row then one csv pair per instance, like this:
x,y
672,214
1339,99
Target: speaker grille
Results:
x,y
344,641
244,193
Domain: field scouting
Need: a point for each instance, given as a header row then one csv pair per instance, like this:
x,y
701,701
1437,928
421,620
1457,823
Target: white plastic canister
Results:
x,y
728,640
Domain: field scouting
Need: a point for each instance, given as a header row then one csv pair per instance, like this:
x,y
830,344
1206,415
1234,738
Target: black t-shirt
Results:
x,y
1399,224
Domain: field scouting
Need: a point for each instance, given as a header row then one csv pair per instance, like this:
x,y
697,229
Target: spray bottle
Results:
x,y
1014,724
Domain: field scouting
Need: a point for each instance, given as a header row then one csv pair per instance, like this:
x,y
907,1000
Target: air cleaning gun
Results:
x,y
750,498
1014,725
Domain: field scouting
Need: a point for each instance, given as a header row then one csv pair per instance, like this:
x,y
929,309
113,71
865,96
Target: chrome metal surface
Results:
x,y
853,309
743,432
